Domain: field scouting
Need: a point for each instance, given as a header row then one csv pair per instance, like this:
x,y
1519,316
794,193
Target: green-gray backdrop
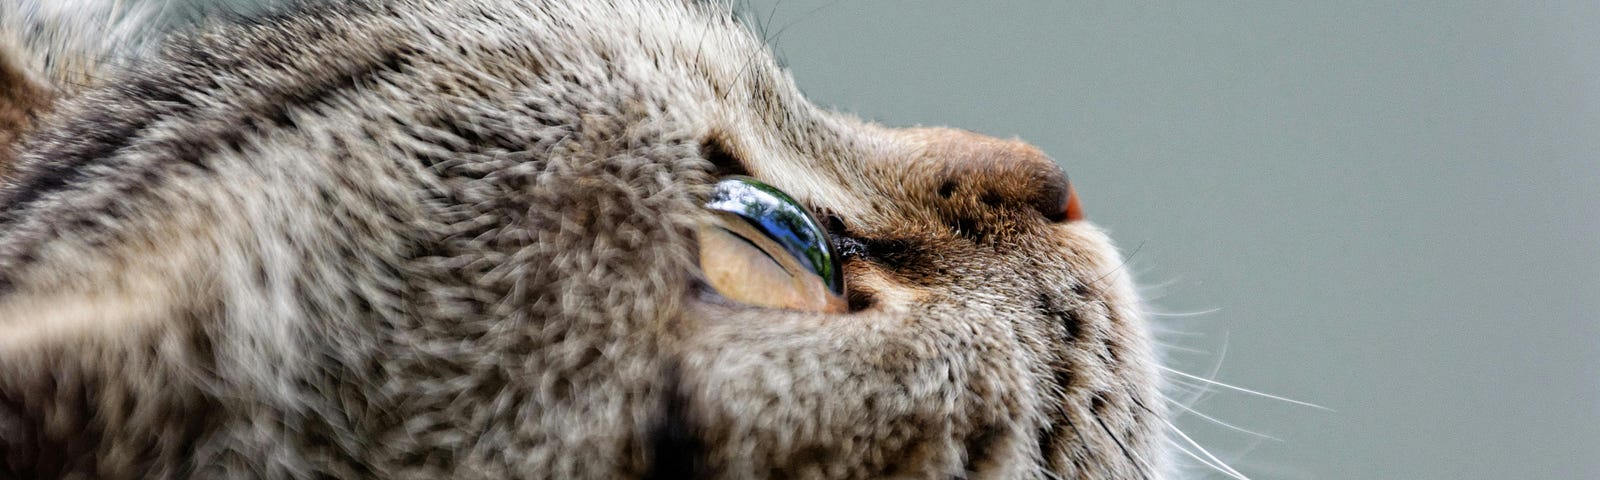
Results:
x,y
1391,209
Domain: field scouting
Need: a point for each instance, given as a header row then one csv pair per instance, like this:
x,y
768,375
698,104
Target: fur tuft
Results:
x,y
68,44
51,49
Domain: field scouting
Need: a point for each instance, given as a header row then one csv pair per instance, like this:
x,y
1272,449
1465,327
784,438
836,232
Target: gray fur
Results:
x,y
454,239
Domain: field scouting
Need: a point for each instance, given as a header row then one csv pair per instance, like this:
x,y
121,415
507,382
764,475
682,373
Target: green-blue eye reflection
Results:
x,y
778,216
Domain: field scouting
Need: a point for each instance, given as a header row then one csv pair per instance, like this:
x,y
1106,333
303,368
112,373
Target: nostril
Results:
x,y
1057,200
1061,206
1073,210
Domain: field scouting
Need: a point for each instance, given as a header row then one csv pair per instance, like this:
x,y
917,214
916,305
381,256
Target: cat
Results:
x,y
467,239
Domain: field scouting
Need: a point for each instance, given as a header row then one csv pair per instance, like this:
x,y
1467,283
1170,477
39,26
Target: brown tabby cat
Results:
x,y
463,239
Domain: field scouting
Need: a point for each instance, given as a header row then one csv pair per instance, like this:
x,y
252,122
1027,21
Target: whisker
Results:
x,y
768,41
1165,332
1181,349
804,16
1203,391
1154,288
1243,390
1124,263
1219,422
700,46
1190,453
1182,314
1215,462
775,6
1251,447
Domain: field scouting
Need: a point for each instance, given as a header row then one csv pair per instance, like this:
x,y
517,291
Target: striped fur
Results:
x,y
454,238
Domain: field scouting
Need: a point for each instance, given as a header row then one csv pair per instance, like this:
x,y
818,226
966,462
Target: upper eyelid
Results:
x,y
728,159
826,216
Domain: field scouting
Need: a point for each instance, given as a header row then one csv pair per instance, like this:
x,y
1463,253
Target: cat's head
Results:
x,y
504,205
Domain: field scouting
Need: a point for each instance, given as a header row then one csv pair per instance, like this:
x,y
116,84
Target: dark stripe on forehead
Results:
x,y
93,138
90,149
87,147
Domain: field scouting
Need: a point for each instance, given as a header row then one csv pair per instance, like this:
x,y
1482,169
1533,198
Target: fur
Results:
x,y
454,238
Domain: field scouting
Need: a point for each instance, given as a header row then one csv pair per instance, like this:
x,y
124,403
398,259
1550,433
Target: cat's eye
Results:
x,y
762,248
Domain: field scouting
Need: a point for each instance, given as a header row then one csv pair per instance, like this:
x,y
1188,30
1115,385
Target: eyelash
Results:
x,y
846,245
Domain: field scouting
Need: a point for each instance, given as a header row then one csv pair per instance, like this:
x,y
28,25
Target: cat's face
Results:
x,y
991,330
487,213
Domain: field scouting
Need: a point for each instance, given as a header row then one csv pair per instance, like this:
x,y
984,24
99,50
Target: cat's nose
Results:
x,y
999,173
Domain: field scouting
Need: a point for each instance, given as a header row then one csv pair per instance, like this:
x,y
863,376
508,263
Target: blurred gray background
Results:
x,y
1385,208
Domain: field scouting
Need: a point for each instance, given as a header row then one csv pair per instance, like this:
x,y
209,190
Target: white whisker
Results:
x,y
1215,462
1208,464
1201,391
1220,422
1243,390
1182,314
1177,348
1162,332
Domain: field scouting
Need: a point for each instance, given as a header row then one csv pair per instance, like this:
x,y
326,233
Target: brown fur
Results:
x,y
430,239
21,99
